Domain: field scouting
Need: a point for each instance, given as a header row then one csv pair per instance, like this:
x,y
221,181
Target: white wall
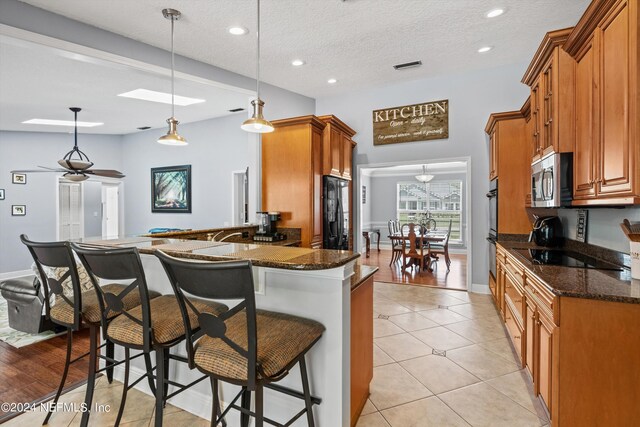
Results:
x,y
472,97
27,150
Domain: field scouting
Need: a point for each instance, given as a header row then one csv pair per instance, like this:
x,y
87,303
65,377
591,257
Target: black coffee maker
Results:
x,y
547,231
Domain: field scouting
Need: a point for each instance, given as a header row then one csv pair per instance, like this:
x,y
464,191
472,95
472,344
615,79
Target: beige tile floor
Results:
x,y
441,358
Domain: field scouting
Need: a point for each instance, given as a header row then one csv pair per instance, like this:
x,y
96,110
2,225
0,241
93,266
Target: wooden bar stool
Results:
x,y
75,309
244,346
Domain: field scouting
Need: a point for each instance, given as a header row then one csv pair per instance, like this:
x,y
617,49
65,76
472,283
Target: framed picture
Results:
x,y
1,193
364,194
19,178
18,210
171,189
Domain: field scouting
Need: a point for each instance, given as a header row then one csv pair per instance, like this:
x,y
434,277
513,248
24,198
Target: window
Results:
x,y
440,200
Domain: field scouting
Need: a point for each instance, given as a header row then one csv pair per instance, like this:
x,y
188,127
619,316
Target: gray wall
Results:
x,y
603,226
366,208
26,150
92,202
472,97
382,193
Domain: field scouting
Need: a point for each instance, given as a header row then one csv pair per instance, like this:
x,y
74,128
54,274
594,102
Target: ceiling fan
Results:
x,y
76,165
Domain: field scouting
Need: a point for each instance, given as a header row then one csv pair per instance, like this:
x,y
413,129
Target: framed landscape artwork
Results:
x,y
18,210
19,178
171,189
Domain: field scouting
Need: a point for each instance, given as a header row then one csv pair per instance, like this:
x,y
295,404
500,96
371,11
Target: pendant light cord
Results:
x,y
258,55
173,114
75,120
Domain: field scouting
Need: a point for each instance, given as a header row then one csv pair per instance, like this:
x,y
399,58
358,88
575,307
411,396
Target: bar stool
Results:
x,y
156,324
243,346
74,311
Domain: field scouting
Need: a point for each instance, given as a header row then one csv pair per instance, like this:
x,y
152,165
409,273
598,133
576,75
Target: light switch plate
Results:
x,y
581,228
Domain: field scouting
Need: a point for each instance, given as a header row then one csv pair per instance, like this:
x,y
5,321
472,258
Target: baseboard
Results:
x,y
478,288
15,274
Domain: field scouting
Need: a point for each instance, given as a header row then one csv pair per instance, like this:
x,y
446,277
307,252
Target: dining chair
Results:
x,y
154,325
415,251
73,309
244,346
438,248
396,244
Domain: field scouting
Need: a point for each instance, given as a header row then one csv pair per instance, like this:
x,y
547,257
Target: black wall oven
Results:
x,y
492,195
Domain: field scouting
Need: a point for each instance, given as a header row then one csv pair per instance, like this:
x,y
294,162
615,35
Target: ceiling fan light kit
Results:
x,y
172,137
257,123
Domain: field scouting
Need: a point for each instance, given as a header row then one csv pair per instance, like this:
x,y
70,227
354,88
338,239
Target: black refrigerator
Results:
x,y
335,213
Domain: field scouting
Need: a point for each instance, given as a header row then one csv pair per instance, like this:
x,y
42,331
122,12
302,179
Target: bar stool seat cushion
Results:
x,y
282,338
167,324
63,312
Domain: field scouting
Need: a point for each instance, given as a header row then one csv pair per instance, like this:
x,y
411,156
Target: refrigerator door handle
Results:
x,y
340,218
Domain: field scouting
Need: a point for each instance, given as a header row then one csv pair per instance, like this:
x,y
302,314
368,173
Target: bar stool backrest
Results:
x,y
117,265
54,255
227,280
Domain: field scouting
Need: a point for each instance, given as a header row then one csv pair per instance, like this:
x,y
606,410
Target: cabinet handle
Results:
x,y
518,301
517,337
538,322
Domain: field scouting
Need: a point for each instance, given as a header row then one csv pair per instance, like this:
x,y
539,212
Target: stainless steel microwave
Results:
x,y
552,181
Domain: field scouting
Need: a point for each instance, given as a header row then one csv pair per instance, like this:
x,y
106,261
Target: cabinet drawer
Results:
x,y
513,292
545,299
514,329
515,269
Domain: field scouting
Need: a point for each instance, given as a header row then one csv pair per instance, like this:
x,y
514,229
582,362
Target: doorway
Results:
x,y
429,191
240,197
110,210
70,211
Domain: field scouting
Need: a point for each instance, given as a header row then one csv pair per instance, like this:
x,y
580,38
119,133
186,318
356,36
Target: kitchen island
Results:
x,y
311,283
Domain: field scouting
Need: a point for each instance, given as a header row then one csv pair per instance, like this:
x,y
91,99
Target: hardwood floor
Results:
x,y
456,278
32,373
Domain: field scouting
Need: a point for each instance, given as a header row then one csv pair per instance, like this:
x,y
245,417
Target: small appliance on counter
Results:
x,y
547,231
267,227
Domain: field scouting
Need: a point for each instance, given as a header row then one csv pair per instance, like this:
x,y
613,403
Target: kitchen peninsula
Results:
x,y
324,285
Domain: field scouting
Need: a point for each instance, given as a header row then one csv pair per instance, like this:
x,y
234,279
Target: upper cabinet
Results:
x,y
337,148
551,79
605,47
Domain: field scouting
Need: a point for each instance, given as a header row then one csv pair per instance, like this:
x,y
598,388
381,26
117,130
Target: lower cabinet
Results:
x,y
361,346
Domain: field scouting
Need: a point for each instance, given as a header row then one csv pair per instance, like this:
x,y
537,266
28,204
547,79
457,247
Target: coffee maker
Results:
x,y
267,227
547,231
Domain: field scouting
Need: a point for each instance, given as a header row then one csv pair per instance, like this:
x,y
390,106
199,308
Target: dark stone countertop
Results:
x,y
290,258
616,286
361,273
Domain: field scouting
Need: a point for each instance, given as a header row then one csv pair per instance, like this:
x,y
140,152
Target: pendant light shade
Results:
x,y
257,123
172,137
423,177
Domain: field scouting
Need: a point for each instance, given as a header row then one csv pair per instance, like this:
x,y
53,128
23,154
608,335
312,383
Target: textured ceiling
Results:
x,y
354,41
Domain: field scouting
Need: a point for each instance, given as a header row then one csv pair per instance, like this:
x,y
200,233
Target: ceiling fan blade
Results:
x,y
39,170
54,169
109,173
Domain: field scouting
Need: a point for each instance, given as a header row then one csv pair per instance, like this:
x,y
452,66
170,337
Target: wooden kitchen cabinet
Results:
x,y
361,346
604,44
292,170
551,79
337,147
512,169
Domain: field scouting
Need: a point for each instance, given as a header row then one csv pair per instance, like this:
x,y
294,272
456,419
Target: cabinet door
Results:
x,y
548,141
336,152
585,150
536,120
493,155
346,157
316,190
616,159
530,332
545,353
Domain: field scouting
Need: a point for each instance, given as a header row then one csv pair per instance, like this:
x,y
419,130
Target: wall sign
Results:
x,y
418,122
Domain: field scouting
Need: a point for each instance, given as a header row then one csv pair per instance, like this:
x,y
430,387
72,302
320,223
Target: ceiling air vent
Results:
x,y
235,110
144,127
407,65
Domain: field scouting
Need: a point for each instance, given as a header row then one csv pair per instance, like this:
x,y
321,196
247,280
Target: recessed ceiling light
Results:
x,y
238,31
297,62
484,49
495,12
332,81
162,97
61,123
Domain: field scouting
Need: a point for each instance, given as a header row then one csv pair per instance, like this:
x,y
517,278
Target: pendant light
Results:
x,y
257,123
423,177
172,137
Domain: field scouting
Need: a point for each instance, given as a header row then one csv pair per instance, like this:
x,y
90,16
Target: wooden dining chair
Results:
x,y
442,248
396,244
414,252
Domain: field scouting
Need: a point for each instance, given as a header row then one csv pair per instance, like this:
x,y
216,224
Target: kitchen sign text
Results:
x,y
419,122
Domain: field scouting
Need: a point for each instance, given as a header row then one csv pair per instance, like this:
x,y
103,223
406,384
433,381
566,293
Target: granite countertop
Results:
x,y
177,234
290,258
361,273
607,285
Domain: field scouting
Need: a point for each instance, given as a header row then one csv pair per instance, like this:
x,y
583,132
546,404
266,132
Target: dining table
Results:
x,y
431,236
